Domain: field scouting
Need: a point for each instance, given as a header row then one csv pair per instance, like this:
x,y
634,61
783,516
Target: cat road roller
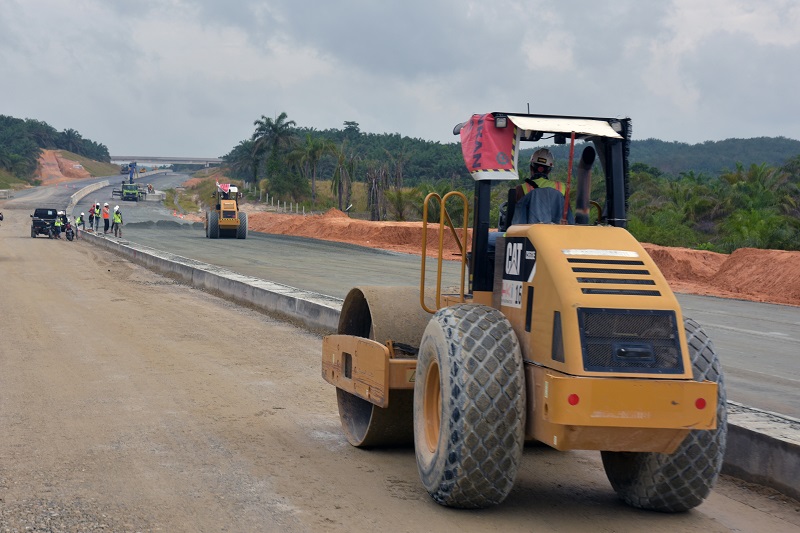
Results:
x,y
563,333
226,220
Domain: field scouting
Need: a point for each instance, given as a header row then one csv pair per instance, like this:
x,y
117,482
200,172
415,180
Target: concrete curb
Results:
x,y
762,447
314,311
86,191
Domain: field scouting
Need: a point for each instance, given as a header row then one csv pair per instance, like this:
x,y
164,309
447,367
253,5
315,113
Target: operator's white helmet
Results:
x,y
542,156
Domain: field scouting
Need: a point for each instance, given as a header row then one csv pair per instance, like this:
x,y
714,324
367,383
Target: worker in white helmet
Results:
x,y
117,222
544,203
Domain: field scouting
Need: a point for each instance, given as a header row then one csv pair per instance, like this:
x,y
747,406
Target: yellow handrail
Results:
x,y
444,220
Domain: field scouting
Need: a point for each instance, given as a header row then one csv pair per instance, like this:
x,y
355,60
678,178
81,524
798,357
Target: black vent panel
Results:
x,y
622,273
636,341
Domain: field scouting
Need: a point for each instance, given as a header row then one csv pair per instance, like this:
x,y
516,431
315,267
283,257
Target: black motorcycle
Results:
x,y
68,231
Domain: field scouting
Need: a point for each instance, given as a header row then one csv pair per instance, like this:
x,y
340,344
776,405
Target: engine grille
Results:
x,y
622,340
629,280
229,214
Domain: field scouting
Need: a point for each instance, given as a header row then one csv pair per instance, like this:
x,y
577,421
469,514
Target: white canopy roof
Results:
x,y
585,126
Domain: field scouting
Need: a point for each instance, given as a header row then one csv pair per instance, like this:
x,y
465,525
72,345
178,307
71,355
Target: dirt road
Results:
x,y
131,403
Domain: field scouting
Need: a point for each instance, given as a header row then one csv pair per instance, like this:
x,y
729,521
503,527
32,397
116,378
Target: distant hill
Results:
x,y
710,157
21,142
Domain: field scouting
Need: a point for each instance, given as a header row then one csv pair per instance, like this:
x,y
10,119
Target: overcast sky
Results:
x,y
188,78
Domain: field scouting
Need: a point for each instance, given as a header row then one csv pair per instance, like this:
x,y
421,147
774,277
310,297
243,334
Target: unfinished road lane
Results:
x,y
758,343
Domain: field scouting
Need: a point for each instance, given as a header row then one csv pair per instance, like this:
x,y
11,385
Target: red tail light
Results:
x,y
700,403
573,399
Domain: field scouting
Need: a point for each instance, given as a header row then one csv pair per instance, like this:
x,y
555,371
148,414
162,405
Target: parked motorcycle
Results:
x,y
68,231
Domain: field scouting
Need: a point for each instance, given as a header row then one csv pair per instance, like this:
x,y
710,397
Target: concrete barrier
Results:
x,y
314,311
86,191
764,448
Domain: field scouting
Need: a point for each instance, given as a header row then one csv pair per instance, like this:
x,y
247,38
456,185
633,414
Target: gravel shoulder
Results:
x,y
129,402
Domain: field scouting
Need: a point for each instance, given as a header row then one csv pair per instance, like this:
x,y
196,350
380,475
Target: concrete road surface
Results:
x,y
131,403
758,344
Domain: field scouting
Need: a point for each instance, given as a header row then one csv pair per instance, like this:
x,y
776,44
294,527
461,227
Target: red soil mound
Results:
x,y
53,168
747,274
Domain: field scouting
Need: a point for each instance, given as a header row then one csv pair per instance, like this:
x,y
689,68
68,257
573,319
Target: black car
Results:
x,y
42,220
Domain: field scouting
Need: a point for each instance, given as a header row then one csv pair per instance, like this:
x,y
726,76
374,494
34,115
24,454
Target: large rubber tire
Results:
x,y
213,225
241,231
469,407
677,482
33,233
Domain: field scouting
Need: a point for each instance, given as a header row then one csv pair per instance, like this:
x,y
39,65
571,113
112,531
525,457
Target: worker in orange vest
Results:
x,y
105,218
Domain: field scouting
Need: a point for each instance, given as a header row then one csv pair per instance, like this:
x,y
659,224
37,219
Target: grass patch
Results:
x,y
9,181
95,168
182,200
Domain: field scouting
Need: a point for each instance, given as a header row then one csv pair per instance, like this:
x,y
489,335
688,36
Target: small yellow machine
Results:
x,y
566,334
226,220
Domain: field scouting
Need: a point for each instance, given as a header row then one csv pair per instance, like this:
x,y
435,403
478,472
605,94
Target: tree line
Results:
x,y
757,206
288,161
749,199
715,195
21,142
709,157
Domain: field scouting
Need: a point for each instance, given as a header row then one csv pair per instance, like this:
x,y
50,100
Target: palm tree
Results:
x,y
441,187
243,162
306,158
297,159
402,202
43,134
377,182
346,162
271,135
72,140
398,162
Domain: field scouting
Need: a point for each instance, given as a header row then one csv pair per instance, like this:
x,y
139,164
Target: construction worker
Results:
x,y
106,220
542,162
80,221
117,223
91,217
544,201
57,225
97,217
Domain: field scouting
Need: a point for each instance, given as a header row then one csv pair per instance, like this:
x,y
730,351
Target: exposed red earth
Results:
x,y
747,274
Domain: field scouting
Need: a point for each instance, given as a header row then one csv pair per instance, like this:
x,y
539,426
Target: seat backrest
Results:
x,y
507,210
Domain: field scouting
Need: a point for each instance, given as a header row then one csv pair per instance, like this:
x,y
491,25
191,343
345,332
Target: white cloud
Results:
x,y
181,77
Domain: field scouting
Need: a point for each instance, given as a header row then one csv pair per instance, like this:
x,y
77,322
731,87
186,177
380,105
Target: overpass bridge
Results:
x,y
163,160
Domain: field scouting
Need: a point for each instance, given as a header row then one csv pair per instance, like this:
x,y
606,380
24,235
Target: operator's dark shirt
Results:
x,y
543,205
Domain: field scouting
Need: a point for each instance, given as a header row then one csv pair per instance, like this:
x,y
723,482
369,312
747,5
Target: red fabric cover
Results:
x,y
487,148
